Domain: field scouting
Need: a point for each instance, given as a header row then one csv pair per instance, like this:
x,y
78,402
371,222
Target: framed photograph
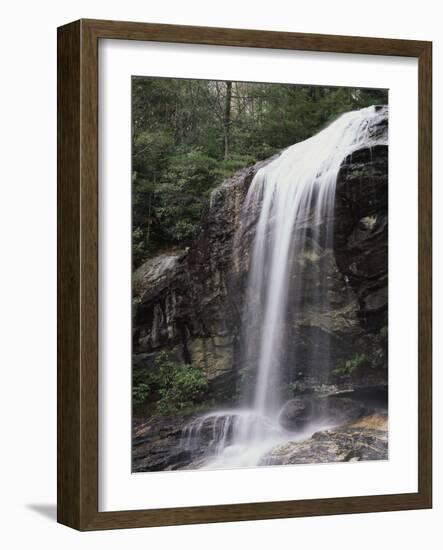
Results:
x,y
244,275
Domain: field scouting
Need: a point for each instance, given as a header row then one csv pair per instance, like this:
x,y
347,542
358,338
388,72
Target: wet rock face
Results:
x,y
301,411
361,232
156,444
159,288
365,439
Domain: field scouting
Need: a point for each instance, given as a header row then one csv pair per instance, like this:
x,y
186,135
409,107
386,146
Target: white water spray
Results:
x,y
293,197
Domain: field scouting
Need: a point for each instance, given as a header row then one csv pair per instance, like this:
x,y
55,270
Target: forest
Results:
x,y
190,135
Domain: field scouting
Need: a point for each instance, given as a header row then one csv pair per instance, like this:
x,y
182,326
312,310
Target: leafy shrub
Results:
x,y
183,192
150,151
170,386
351,365
140,392
184,386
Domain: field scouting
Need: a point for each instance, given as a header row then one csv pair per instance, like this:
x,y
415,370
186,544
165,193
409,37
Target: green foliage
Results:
x,y
380,355
227,167
182,193
186,142
376,360
139,246
150,150
140,392
182,385
351,365
169,386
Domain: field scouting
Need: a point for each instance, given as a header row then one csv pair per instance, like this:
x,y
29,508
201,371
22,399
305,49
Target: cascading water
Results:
x,y
291,201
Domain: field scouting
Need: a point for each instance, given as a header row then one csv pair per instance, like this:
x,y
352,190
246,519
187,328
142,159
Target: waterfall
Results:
x,y
291,203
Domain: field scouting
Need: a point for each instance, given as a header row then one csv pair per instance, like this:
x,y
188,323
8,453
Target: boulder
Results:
x,y
299,412
365,439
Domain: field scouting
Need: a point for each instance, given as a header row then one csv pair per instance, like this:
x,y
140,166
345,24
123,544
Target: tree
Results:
x,y
227,118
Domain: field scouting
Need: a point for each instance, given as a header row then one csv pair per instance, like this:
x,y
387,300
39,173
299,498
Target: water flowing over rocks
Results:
x,y
190,303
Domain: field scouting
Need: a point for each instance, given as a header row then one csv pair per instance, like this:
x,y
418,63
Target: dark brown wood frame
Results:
x,y
77,456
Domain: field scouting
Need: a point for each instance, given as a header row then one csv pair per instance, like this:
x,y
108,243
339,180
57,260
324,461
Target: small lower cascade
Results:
x,y
220,429
291,203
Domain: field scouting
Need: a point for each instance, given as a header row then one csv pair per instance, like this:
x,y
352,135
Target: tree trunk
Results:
x,y
227,118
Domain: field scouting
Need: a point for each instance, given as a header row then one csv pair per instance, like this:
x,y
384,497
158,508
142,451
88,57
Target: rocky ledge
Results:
x,y
363,439
156,444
